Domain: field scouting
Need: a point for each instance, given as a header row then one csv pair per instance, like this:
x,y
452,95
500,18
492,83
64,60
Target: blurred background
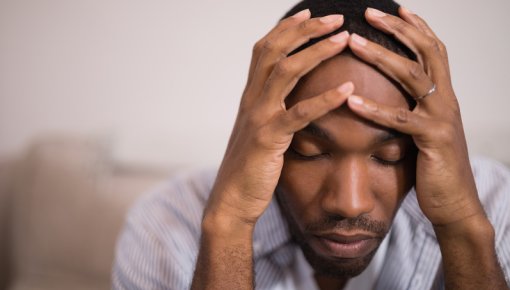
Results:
x,y
100,100
161,80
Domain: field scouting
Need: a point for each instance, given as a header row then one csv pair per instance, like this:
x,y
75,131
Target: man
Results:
x,y
347,168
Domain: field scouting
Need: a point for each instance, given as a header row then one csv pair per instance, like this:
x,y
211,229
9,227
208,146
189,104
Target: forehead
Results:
x,y
368,81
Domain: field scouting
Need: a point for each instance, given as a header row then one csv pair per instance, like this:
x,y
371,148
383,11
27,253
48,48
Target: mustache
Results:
x,y
330,223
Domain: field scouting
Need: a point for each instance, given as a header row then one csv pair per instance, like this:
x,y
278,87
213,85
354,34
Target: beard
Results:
x,y
333,267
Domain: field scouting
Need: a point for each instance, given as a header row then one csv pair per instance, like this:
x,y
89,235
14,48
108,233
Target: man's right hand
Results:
x,y
262,133
264,127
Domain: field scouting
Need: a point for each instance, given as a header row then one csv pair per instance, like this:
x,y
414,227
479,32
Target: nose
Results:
x,y
346,192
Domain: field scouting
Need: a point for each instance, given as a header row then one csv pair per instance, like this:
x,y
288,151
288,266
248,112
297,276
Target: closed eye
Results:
x,y
388,162
303,156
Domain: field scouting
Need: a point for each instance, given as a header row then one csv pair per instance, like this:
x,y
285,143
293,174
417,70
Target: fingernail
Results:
x,y
356,100
331,18
375,12
346,88
302,14
359,40
340,37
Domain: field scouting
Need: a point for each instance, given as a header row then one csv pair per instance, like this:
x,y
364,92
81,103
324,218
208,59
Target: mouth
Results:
x,y
338,246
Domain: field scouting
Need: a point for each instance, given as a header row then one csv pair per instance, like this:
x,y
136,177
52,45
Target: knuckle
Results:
x,y
402,115
455,107
373,108
400,27
328,98
259,45
244,109
268,85
379,58
445,133
442,49
284,21
255,116
301,112
441,45
245,105
253,120
261,136
283,67
416,70
304,26
433,45
268,45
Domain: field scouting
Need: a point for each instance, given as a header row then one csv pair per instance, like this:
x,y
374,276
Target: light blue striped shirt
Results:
x,y
159,245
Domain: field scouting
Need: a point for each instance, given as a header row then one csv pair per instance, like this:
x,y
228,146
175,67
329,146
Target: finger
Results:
x,y
416,21
281,26
277,48
400,119
422,25
427,49
304,112
288,71
409,74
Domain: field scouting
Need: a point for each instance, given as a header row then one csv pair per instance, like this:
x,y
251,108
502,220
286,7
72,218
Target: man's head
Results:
x,y
354,20
344,177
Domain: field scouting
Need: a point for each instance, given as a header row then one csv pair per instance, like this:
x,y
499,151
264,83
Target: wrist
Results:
x,y
475,231
468,254
226,226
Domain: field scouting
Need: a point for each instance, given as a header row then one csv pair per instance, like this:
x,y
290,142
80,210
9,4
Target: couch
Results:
x,y
62,205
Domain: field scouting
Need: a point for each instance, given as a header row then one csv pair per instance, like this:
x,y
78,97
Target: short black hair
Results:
x,y
354,20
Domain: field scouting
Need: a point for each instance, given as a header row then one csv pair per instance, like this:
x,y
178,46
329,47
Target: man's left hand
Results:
x,y
445,185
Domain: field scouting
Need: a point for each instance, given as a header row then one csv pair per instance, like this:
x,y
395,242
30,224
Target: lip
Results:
x,y
340,246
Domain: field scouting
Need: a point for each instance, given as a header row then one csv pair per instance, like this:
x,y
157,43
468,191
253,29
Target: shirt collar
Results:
x,y
271,231
411,208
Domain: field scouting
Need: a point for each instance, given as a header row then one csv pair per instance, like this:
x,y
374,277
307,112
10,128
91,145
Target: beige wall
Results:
x,y
161,79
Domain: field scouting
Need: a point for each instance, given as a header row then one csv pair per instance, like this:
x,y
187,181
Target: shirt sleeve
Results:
x,y
493,184
159,243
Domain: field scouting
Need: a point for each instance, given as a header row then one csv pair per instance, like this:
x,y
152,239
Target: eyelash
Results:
x,y
307,158
382,162
388,163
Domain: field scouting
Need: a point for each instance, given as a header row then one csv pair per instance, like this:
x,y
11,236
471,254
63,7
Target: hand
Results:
x,y
264,127
445,185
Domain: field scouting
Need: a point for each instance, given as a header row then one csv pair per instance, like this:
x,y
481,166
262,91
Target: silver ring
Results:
x,y
430,92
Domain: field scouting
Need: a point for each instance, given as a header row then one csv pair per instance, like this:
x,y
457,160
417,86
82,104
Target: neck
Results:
x,y
330,283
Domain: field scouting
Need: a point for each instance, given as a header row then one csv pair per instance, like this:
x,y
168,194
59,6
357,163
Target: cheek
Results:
x,y
302,183
390,186
300,186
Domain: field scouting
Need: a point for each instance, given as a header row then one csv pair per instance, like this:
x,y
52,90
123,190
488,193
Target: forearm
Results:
x,y
225,259
469,255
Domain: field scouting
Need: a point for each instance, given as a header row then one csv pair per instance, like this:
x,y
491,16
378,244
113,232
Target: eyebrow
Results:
x,y
316,131
383,136
388,135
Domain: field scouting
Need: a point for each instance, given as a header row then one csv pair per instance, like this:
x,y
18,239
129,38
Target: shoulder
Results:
x,y
185,194
492,179
158,246
493,184
174,209
411,230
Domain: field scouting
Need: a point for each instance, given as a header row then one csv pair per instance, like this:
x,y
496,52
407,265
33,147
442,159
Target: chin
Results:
x,y
334,246
335,267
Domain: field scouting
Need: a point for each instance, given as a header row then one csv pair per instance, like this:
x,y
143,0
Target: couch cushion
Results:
x,y
7,171
69,207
